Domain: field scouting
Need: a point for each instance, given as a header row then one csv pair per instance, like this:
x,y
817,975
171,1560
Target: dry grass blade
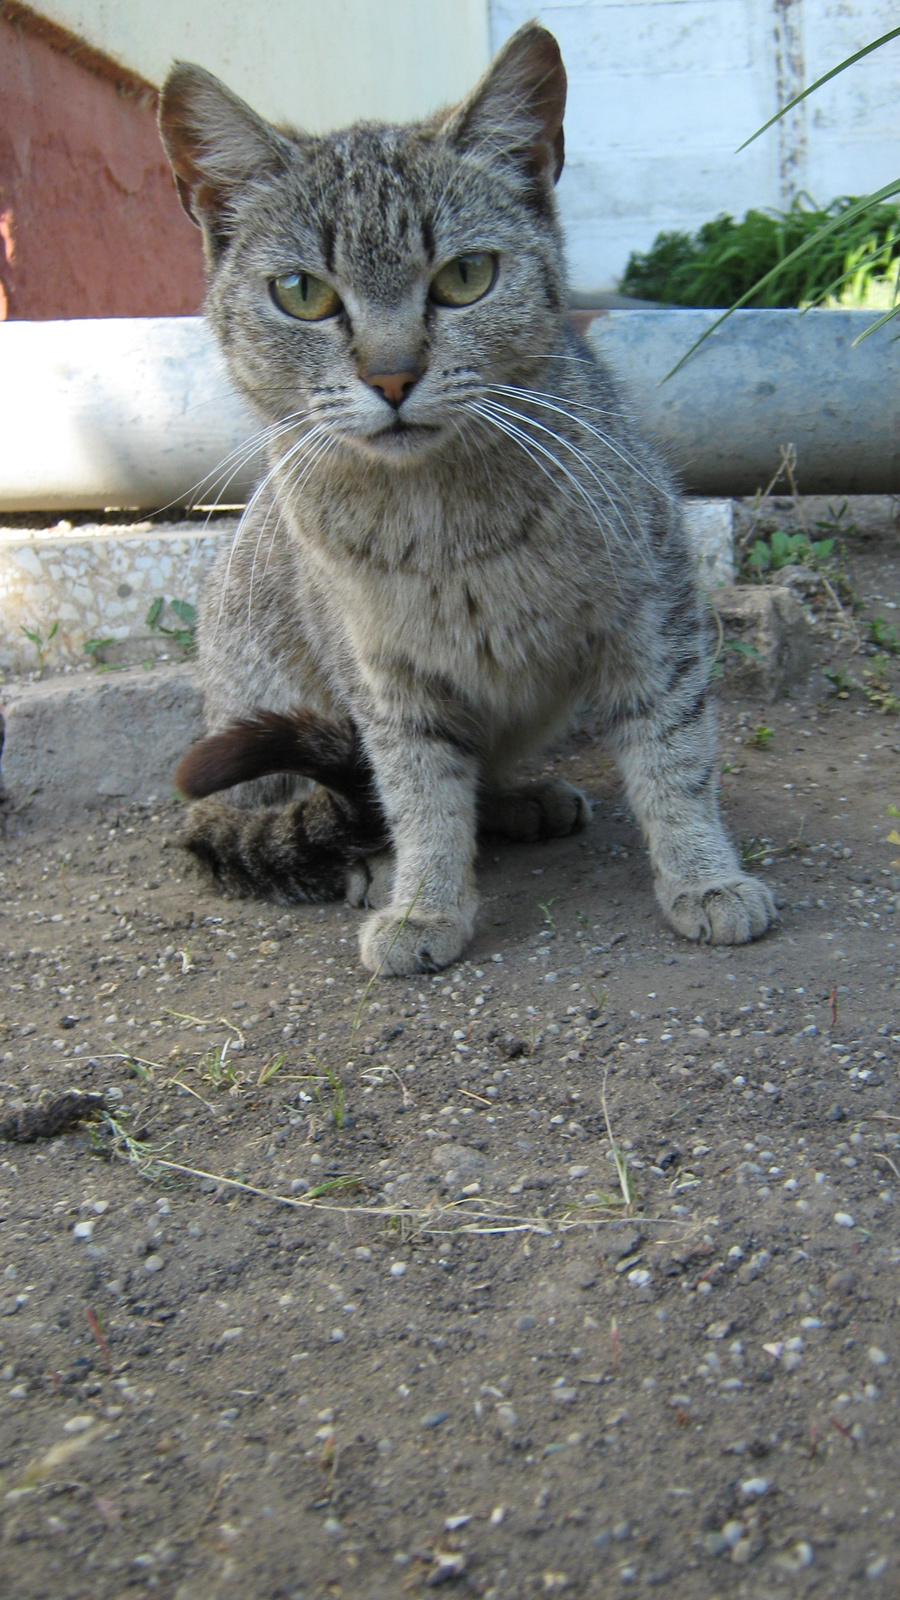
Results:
x,y
620,1161
380,968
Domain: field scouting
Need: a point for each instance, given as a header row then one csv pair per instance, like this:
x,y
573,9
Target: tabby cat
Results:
x,y
460,539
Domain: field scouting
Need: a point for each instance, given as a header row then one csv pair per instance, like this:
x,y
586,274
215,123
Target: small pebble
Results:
x,y
78,1424
230,1334
434,1419
639,1276
877,1357
154,1263
877,1568
82,1230
753,1488
397,1269
844,1219
337,1336
299,1186
525,1324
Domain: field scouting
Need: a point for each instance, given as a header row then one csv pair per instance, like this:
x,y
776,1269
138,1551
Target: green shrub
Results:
x,y
856,264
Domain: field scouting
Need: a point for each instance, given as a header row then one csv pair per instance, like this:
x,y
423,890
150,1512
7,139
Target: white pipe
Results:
x,y
137,412
124,411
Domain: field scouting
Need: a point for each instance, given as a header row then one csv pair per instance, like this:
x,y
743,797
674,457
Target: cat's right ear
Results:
x,y
516,111
215,144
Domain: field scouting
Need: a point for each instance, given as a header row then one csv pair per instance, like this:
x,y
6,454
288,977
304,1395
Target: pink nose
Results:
x,y
395,386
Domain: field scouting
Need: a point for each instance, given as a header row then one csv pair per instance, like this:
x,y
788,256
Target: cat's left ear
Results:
x,y
517,109
215,144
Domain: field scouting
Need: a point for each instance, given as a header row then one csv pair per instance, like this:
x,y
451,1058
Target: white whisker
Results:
x,y
600,477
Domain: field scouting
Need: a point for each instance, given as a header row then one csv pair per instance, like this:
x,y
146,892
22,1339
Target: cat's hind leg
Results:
x,y
549,809
666,752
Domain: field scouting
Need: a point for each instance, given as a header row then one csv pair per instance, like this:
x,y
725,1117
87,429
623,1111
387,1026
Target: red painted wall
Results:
x,y
90,223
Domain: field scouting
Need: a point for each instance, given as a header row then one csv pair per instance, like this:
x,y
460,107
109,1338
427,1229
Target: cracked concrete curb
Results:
x,y
73,744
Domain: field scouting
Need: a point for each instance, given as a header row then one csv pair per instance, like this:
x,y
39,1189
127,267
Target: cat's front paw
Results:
x,y
370,880
549,810
398,945
727,911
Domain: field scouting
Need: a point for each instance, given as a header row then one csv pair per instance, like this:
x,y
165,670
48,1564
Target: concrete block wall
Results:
x,y
661,93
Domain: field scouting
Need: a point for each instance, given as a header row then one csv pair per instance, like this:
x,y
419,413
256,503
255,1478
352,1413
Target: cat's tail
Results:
x,y
300,850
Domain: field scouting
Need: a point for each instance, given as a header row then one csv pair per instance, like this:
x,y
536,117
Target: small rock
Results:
x,y
844,1219
719,1330
525,1324
397,1269
835,1113
506,1418
841,1282
753,1488
434,1419
154,1263
82,1230
578,1172
78,1424
747,1549
299,1186
770,619
229,1335
622,1242
877,1357
877,1568
451,1524
795,1560
447,1564
639,1276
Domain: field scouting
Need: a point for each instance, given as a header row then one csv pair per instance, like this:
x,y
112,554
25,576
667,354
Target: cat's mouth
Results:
x,y
402,436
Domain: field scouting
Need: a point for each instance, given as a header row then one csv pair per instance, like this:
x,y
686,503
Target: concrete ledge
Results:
x,y
73,744
97,582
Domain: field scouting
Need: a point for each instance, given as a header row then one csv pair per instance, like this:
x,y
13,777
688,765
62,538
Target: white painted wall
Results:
x,y
661,92
317,63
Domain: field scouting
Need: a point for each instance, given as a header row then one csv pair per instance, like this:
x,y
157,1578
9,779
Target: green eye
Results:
x,y
463,281
301,295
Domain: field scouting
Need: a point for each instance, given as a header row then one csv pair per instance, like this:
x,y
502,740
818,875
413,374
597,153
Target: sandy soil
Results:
x,y
449,1354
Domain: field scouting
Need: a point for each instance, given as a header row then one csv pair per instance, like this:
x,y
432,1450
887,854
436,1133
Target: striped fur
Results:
x,y
446,577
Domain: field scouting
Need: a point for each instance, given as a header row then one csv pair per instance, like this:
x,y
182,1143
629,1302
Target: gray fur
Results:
x,y
458,593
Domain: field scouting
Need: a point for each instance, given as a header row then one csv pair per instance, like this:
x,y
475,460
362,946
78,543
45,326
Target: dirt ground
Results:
x,y
449,1354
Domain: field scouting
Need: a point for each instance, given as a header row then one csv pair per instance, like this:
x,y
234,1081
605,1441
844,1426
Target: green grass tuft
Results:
x,y
853,265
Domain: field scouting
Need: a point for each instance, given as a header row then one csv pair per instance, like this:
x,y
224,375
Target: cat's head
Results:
x,y
379,279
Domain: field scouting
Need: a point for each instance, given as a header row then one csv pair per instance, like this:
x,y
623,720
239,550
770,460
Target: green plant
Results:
x,y
865,208
885,635
842,681
753,851
876,688
337,1096
39,642
184,635
94,648
782,549
761,736
801,257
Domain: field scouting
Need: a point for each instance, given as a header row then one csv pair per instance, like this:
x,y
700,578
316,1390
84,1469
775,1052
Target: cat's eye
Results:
x,y
304,296
463,281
